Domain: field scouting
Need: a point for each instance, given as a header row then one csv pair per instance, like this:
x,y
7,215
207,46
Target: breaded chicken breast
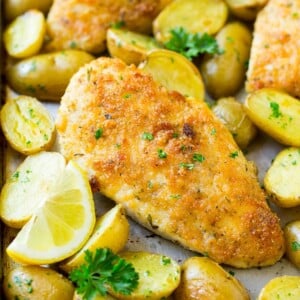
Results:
x,y
171,163
83,23
275,56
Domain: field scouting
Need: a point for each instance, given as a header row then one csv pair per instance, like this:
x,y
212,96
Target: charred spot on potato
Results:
x,y
188,130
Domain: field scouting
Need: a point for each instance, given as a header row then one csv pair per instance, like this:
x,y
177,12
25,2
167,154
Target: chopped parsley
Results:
x,y
73,44
127,96
175,196
234,154
198,157
118,24
275,110
147,136
161,153
98,133
188,166
165,260
295,246
213,131
192,44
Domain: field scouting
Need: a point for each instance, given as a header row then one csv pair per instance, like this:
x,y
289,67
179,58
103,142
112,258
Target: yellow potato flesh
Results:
x,y
27,125
284,287
158,276
175,72
277,114
282,180
195,16
129,46
24,36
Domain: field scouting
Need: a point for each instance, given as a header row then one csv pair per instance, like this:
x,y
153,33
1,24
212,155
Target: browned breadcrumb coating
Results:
x,y
171,163
83,23
275,56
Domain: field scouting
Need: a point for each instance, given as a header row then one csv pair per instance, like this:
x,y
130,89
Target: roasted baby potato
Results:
x,y
224,74
27,125
193,15
246,9
36,283
202,278
46,76
233,115
159,276
24,36
129,46
175,72
283,287
109,226
276,113
292,240
14,8
283,178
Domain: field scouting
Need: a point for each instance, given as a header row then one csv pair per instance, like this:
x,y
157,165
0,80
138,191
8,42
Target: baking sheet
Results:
x,y
262,151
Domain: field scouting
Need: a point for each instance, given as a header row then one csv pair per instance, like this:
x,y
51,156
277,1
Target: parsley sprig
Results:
x,y
104,269
192,44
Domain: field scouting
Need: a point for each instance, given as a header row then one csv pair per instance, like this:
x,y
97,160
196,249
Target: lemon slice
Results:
x,y
111,231
29,186
61,226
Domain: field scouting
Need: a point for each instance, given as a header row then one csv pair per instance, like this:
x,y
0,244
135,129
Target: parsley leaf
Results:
x,y
104,269
192,44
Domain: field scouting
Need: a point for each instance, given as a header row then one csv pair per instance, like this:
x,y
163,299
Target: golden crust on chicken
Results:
x,y
168,160
275,57
83,23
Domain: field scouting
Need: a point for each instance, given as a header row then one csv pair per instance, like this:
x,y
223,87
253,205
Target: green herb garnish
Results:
x,y
161,153
188,166
192,44
147,136
275,110
198,157
98,133
104,269
295,246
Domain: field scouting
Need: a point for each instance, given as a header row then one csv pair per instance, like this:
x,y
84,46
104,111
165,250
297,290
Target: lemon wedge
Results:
x,y
111,231
61,225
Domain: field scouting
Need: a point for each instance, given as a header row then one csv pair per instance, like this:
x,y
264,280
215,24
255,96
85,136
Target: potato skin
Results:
x,y
14,8
45,76
232,114
224,74
36,283
246,9
292,239
202,278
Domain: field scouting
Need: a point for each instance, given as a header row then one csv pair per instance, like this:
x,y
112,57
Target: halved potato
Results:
x,y
25,35
28,186
175,72
224,74
276,113
292,241
193,15
233,115
282,180
27,125
246,9
111,231
46,76
37,283
129,46
283,287
159,276
202,278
